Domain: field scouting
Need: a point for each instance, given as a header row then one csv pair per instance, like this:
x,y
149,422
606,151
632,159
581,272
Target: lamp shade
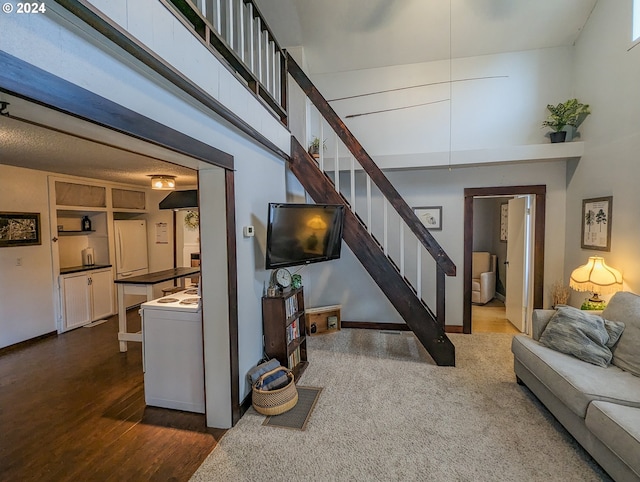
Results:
x,y
596,276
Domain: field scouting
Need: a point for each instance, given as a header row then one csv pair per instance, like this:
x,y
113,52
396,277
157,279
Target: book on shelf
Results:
x,y
294,358
293,331
291,306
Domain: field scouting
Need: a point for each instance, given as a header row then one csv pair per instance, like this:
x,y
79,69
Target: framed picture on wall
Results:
x,y
596,223
19,229
504,221
431,217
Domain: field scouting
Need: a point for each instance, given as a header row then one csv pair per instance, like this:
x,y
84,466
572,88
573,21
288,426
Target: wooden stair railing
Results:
x,y
402,296
371,168
429,328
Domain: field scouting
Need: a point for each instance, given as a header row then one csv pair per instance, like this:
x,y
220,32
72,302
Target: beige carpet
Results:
x,y
388,413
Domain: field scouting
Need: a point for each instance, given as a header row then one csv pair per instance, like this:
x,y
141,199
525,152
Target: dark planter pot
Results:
x,y
558,136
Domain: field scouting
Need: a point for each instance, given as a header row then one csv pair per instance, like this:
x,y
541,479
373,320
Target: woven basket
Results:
x,y
275,402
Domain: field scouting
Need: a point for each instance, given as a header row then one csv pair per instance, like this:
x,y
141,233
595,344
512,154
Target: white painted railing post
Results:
x,y
336,166
385,242
419,269
353,183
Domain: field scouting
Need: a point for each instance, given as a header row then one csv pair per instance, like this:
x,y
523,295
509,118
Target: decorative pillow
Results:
x,y
615,329
583,335
625,306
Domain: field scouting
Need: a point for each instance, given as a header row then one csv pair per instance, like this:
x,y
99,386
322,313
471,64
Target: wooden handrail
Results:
x,y
371,168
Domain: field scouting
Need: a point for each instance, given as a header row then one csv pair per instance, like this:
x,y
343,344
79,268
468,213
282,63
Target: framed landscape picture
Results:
x,y
19,229
596,223
431,216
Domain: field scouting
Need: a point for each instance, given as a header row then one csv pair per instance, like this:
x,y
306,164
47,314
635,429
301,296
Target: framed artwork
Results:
x,y
596,223
19,229
504,221
430,216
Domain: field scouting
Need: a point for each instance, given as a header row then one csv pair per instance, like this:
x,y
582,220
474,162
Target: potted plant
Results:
x,y
568,113
314,147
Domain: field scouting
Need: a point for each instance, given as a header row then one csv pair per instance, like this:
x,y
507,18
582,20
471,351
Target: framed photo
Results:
x,y
431,217
19,229
596,223
504,221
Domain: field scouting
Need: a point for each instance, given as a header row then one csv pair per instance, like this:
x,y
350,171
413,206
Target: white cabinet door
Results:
x,y
102,293
76,296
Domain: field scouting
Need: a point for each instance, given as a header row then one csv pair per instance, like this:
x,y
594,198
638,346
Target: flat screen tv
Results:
x,y
303,233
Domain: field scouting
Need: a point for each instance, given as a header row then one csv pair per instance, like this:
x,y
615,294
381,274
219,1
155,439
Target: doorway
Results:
x,y
215,177
537,194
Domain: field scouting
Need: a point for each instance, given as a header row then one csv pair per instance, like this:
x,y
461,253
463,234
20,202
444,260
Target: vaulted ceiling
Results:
x,y
340,35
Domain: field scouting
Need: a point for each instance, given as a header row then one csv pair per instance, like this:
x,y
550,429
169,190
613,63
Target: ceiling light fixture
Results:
x,y
162,182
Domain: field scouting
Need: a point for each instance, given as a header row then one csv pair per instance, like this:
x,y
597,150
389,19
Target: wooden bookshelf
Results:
x,y
285,335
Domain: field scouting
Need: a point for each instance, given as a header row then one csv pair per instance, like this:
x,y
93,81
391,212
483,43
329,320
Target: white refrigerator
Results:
x,y
131,253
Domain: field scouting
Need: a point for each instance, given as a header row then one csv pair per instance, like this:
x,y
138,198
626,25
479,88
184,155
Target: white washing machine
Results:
x,y
172,352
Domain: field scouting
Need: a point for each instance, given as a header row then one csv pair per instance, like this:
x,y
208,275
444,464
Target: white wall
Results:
x,y
26,292
505,110
259,180
607,77
335,282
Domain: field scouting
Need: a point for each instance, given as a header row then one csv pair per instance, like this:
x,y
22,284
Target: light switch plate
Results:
x,y
248,231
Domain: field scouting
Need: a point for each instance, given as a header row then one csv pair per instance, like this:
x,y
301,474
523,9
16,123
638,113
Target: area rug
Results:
x,y
298,416
387,413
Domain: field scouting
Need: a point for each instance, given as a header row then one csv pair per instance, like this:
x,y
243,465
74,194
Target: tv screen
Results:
x,y
303,233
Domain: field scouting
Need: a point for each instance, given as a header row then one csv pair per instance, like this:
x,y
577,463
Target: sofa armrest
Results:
x,y
539,321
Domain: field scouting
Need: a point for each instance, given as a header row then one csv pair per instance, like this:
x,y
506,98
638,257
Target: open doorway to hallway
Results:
x,y
486,228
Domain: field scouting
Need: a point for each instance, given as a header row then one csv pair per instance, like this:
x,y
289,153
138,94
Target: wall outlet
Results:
x,y
248,231
18,261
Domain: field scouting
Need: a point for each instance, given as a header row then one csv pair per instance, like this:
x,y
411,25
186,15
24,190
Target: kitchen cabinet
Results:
x,y
86,296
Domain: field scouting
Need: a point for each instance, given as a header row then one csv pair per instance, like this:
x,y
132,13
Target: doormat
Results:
x,y
298,416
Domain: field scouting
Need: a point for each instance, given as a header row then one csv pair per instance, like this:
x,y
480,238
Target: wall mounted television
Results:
x,y
300,234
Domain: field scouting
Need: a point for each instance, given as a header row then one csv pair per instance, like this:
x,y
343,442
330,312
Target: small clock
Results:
x,y
281,277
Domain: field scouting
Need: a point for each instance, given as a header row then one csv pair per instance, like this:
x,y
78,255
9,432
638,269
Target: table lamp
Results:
x,y
597,277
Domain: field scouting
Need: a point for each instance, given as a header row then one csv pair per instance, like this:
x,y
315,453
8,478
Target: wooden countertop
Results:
x,y
159,276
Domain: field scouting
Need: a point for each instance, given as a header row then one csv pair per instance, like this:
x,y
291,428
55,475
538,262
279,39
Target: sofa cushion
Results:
x,y
582,335
575,382
625,307
618,427
475,284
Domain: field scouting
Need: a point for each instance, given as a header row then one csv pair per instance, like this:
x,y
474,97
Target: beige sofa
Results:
x,y
599,406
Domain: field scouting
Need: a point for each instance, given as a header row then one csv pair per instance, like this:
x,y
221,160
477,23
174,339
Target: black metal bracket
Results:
x,y
3,108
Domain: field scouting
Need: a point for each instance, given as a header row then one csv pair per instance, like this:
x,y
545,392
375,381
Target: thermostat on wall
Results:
x,y
248,231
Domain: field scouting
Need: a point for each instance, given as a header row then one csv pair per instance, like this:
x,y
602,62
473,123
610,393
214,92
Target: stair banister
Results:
x,y
406,213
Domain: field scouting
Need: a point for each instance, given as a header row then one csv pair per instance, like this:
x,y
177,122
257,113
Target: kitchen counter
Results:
x,y
78,269
143,285
159,276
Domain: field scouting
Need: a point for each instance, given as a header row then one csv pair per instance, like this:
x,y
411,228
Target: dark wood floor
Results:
x,y
72,408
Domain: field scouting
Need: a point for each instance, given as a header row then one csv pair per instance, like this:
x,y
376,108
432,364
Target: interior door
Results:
x,y
515,301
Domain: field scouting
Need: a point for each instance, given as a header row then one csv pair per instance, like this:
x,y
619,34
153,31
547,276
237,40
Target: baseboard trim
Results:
x,y
368,325
454,329
23,344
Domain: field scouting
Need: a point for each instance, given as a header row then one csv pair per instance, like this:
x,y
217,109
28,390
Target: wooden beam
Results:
x,y
36,85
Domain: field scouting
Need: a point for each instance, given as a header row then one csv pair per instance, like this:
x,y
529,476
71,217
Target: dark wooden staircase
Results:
x,y
427,325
